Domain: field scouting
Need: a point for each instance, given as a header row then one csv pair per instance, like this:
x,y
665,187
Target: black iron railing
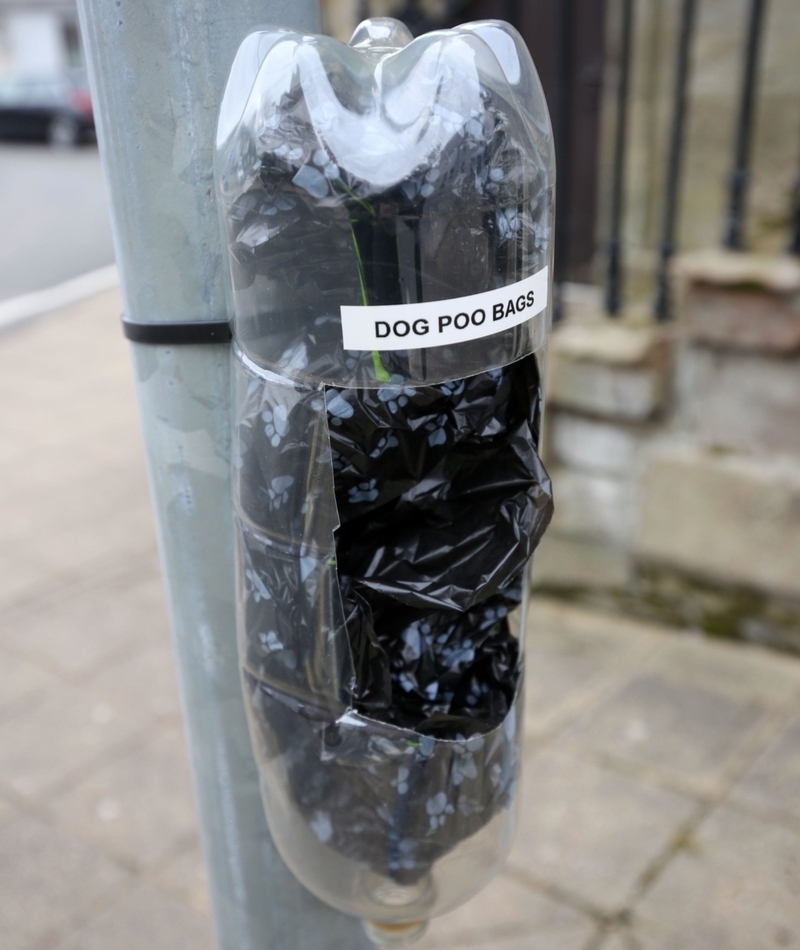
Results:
x,y
733,236
744,129
556,31
794,244
614,287
680,109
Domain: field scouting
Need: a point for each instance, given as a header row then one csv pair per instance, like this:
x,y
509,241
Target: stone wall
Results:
x,y
675,454
340,17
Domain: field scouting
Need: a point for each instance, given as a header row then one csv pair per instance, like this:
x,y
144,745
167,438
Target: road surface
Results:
x,y
53,216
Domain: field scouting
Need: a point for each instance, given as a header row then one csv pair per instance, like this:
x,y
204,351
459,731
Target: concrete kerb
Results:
x,y
39,303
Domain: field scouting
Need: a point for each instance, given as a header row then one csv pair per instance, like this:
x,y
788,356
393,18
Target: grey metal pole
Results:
x,y
157,73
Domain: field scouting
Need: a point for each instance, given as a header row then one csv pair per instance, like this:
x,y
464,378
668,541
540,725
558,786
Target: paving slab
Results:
x,y
619,941
518,943
89,730
772,784
743,672
71,451
184,878
56,738
145,680
590,831
41,509
508,914
79,629
20,573
138,807
7,810
147,919
571,655
735,887
48,880
88,540
685,732
20,682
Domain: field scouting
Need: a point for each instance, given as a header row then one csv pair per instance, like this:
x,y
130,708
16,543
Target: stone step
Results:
x,y
577,564
730,518
741,301
595,445
609,369
739,400
592,505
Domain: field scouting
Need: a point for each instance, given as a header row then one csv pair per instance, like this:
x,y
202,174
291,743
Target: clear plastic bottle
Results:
x,y
388,210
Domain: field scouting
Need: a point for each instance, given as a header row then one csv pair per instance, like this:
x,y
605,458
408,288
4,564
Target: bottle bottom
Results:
x,y
394,935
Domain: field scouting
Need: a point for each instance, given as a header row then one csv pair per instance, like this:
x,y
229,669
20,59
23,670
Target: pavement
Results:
x,y
661,799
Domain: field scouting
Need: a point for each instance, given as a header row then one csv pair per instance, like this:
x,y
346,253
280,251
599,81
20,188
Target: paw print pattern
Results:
x,y
413,643
270,641
258,590
337,460
541,235
509,223
338,407
403,855
363,492
492,615
279,491
396,396
384,444
401,782
276,424
272,644
453,388
438,809
312,180
262,216
437,431
295,358
408,682
460,655
476,692
463,768
322,826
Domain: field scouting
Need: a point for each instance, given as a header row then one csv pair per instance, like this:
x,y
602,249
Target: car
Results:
x,y
51,108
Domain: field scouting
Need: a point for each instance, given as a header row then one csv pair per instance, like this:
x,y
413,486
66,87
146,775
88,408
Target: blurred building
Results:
x,y
39,36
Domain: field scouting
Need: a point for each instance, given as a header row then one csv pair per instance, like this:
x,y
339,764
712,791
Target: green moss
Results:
x,y
676,600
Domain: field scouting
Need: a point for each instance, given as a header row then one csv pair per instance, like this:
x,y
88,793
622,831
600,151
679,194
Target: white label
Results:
x,y
415,326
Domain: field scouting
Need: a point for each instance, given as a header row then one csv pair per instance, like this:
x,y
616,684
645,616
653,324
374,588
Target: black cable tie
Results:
x,y
189,333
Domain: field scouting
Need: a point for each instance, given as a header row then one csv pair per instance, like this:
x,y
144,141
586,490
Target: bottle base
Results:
x,y
394,935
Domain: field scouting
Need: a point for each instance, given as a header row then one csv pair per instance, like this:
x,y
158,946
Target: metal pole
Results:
x,y
744,130
157,73
794,243
563,112
674,162
614,292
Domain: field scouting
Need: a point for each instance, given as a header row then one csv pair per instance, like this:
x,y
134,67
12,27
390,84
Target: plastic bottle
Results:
x,y
388,210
